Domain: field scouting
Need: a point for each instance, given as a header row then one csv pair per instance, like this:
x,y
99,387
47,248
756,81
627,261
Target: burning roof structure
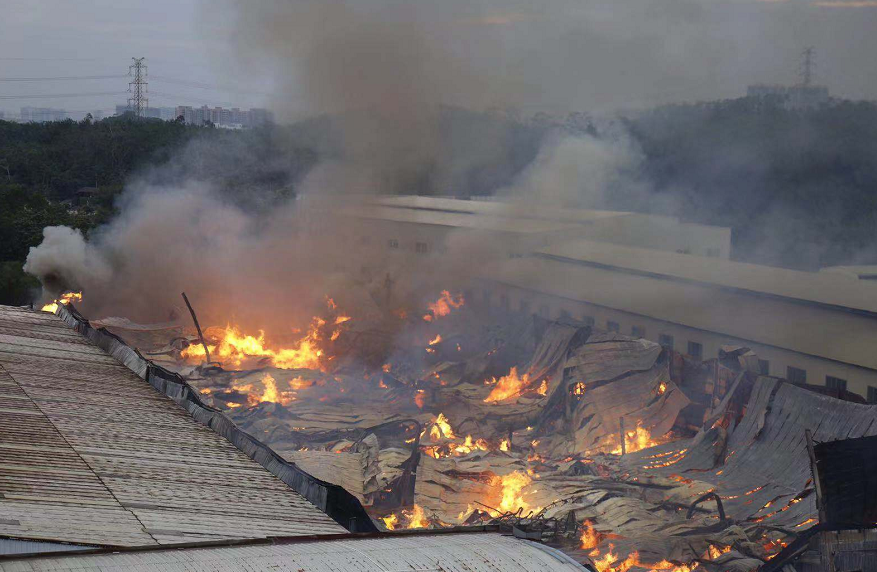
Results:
x,y
623,454
106,459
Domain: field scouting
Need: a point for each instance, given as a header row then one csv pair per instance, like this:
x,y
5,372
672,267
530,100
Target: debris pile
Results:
x,y
626,455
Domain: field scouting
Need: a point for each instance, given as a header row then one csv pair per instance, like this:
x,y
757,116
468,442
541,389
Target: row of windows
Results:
x,y
695,349
419,247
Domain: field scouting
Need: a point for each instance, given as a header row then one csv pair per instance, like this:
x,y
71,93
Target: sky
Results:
x,y
553,55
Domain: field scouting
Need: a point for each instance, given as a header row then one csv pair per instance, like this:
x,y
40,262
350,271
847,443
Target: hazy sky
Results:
x,y
565,54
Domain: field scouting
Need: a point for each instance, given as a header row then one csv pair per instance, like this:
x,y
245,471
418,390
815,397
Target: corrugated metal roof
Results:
x,y
822,288
459,220
809,329
91,453
511,209
439,553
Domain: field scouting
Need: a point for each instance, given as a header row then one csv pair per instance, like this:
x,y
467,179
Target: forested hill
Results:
x,y
798,188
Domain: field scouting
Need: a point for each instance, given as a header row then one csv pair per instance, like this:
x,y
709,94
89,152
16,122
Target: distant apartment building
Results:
x,y
42,114
792,97
223,117
163,113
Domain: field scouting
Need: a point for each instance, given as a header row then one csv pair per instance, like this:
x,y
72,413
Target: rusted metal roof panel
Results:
x,y
90,453
439,553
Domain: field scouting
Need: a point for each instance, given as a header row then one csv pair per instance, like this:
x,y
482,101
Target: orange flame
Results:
x,y
507,386
441,428
65,299
443,306
511,486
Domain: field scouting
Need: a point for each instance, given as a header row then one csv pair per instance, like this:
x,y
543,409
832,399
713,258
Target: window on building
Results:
x,y
695,350
872,394
796,375
565,315
544,311
835,383
666,341
638,332
525,306
612,326
393,243
589,320
421,247
764,367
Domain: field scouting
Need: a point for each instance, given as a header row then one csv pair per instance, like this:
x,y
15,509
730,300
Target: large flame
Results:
x,y
507,386
609,562
236,346
415,518
65,299
638,439
441,428
443,306
510,489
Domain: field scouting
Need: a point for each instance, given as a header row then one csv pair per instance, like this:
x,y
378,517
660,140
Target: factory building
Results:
x,y
644,275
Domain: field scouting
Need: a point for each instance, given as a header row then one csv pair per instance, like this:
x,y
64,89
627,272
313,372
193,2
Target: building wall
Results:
x,y
517,299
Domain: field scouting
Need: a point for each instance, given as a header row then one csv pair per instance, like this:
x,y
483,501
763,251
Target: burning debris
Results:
x,y
597,442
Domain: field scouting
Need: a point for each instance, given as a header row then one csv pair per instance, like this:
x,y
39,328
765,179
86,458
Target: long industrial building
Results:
x,y
109,463
644,275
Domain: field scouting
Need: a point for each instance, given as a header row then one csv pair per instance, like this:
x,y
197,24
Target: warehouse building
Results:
x,y
645,275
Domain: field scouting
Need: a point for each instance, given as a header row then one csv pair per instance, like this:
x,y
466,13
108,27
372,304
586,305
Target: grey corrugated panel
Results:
x,y
332,499
91,454
9,546
767,457
446,553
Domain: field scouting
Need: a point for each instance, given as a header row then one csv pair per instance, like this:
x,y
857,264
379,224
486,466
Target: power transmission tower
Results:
x,y
138,102
808,65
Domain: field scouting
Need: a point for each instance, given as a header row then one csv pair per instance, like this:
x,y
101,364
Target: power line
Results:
x,y
201,85
62,78
62,95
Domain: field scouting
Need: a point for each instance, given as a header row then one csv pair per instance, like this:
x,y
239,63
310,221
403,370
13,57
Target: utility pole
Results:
x,y
138,102
807,66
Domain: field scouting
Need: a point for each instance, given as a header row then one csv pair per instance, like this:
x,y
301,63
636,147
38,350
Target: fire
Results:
x,y
272,395
435,340
511,484
391,521
662,388
590,538
507,386
418,398
543,388
415,518
443,306
504,445
636,440
608,563
469,445
441,428
236,346
579,388
65,299
714,551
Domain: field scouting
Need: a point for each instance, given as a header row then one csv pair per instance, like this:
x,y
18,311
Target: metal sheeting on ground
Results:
x,y
442,552
91,454
763,470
